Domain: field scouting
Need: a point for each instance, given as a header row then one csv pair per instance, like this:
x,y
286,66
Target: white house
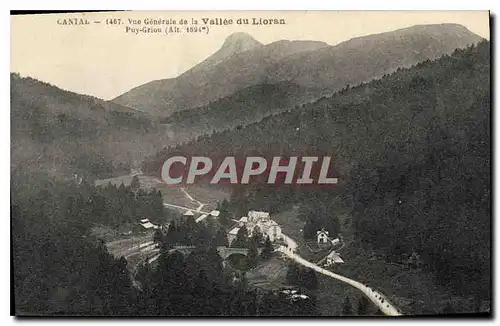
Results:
x,y
254,216
333,258
267,226
335,241
322,236
296,297
242,221
215,213
232,235
147,225
271,229
189,213
201,218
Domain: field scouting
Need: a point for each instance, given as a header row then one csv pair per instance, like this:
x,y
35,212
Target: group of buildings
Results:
x,y
333,257
146,225
260,220
214,213
263,222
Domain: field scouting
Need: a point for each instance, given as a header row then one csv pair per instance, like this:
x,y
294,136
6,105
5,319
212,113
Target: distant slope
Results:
x,y
413,155
241,62
322,69
368,118
364,58
65,133
245,106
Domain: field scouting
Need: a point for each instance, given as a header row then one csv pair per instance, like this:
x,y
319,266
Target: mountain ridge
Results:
x,y
156,96
377,54
311,64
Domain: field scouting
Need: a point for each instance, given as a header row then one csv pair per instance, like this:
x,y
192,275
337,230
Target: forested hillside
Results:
x,y
412,151
248,105
63,133
61,268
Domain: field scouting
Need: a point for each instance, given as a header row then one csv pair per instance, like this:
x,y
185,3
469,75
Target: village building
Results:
x,y
322,236
255,216
232,235
270,229
335,241
333,258
215,213
189,213
296,297
149,225
201,218
145,225
262,220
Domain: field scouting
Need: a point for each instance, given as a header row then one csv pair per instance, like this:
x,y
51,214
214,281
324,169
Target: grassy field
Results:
x,y
413,291
208,195
145,181
269,274
174,195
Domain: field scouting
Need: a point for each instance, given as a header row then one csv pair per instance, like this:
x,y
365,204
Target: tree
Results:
x,y
310,229
204,237
157,207
414,261
292,274
448,309
158,237
241,240
172,236
332,225
257,236
363,306
135,184
252,255
190,231
309,279
221,238
224,215
347,307
268,249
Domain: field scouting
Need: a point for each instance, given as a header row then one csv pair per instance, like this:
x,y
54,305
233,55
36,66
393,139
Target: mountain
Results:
x,y
352,123
316,66
241,62
241,108
234,43
412,152
364,58
65,133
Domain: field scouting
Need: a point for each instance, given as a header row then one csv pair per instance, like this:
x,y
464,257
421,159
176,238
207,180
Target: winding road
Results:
x,y
183,207
191,198
376,297
188,195
148,251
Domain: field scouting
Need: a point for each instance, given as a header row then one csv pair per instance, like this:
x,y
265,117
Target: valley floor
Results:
x,y
413,291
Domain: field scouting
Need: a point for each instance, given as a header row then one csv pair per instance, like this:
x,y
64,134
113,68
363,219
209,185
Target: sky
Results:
x,y
105,61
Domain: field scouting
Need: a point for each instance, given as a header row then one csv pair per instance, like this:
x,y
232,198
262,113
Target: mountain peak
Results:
x,y
239,42
440,29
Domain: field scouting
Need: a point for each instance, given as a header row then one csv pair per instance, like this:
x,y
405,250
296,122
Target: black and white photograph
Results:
x,y
251,164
